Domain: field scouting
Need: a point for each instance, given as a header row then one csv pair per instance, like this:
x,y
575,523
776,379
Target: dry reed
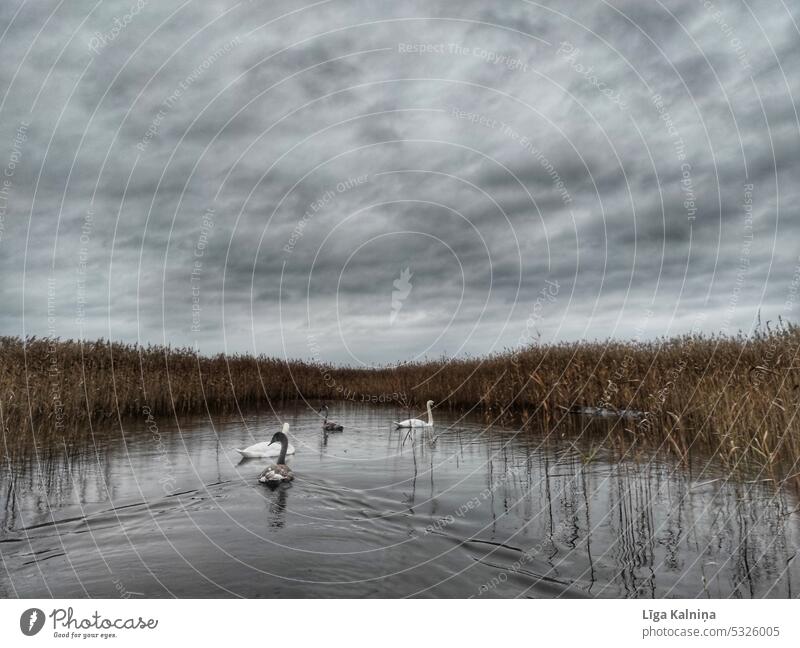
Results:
x,y
736,396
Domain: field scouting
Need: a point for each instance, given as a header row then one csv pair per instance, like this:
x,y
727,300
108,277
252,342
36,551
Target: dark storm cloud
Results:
x,y
257,176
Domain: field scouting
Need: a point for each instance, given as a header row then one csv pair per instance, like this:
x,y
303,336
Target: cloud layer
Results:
x,y
253,176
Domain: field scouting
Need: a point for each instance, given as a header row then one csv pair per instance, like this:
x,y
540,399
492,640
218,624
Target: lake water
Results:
x,y
459,511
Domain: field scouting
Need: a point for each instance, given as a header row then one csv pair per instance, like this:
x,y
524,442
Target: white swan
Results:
x,y
417,423
264,449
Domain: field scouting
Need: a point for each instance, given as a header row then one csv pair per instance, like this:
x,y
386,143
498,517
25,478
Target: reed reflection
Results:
x,y
460,510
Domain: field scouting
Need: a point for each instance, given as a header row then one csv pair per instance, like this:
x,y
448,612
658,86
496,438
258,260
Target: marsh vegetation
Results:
x,y
733,397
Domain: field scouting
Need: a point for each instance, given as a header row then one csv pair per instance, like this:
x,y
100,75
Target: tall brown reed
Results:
x,y
735,395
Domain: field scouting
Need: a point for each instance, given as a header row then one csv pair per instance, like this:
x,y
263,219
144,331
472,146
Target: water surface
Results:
x,y
463,510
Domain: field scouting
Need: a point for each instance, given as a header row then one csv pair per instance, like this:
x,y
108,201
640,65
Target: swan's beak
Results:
x,y
270,443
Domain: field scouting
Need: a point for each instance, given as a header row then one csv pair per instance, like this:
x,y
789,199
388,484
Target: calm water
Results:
x,y
462,511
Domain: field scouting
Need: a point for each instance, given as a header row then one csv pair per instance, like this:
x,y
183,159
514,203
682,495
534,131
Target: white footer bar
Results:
x,y
350,623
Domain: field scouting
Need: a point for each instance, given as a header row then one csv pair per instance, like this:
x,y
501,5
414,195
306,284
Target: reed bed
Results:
x,y
735,396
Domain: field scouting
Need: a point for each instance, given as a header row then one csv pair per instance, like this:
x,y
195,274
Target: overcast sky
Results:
x,y
256,176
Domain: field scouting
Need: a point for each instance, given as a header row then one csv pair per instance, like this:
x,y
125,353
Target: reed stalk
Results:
x,y
737,396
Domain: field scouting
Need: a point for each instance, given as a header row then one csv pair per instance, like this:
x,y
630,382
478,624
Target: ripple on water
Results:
x,y
459,511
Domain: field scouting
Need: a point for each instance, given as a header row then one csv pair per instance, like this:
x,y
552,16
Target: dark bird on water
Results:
x,y
329,426
278,472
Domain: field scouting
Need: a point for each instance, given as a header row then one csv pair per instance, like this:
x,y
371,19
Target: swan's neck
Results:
x,y
284,448
430,416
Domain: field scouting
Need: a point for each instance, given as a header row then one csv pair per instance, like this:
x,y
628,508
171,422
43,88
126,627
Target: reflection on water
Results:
x,y
460,510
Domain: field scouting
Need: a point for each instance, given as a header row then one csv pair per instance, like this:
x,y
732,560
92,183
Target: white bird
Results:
x,y
264,449
417,423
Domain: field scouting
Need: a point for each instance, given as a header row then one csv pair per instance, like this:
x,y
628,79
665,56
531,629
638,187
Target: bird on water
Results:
x,y
279,471
417,423
329,426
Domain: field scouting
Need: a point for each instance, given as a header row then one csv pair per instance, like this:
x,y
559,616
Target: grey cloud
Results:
x,y
307,98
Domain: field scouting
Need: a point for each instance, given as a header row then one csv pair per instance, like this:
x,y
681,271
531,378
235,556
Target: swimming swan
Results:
x,y
329,426
417,423
264,449
278,472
